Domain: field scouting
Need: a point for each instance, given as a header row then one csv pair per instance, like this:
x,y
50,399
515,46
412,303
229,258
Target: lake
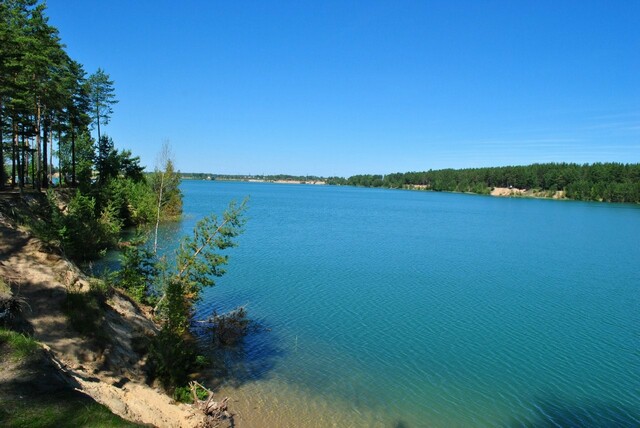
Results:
x,y
412,309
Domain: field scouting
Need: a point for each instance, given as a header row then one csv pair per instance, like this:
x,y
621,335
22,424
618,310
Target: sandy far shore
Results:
x,y
527,193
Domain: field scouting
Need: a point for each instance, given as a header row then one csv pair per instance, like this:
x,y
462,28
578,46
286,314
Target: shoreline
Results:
x,y
498,192
111,372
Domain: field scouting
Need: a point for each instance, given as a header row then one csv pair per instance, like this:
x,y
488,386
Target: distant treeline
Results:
x,y
240,177
195,176
611,182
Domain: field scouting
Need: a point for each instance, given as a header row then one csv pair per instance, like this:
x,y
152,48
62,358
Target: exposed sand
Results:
x,y
112,375
513,191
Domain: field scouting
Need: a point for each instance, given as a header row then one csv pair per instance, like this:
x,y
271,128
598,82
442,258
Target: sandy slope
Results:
x,y
111,375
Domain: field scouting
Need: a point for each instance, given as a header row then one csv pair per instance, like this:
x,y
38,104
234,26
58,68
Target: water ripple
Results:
x,y
425,309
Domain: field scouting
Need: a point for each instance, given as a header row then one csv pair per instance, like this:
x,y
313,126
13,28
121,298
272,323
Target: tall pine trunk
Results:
x,y
98,121
38,165
73,156
14,151
45,160
3,174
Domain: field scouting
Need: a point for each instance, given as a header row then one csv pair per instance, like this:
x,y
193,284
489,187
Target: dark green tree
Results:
x,y
107,161
102,97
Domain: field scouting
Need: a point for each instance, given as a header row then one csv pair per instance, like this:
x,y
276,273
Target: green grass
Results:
x,y
21,347
33,396
63,409
4,287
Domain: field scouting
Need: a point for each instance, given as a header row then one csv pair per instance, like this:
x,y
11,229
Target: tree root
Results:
x,y
215,411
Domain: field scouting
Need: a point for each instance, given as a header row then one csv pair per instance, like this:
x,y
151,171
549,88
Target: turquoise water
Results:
x,y
411,309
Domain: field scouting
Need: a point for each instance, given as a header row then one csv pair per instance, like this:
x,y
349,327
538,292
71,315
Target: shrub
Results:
x,y
83,234
138,271
172,357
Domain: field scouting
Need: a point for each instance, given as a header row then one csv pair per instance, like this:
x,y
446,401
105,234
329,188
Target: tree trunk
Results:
x,y
155,240
20,159
45,142
38,146
60,154
98,120
3,174
14,152
73,156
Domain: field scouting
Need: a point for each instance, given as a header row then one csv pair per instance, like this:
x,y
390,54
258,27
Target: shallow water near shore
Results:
x,y
411,309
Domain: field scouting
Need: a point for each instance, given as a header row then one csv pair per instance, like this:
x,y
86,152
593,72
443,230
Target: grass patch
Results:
x,y
4,287
21,347
32,395
65,409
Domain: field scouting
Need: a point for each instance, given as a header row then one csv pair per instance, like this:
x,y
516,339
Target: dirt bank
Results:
x,y
110,371
527,193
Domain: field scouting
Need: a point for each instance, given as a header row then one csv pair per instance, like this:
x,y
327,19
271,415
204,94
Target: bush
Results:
x,y
133,201
138,271
183,394
83,234
172,358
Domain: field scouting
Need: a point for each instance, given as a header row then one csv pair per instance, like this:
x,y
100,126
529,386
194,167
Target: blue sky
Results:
x,y
343,87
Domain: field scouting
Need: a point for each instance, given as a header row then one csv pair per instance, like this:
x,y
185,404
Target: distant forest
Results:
x,y
240,177
610,182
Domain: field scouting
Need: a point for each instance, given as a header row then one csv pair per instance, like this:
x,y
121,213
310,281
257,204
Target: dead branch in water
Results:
x,y
215,411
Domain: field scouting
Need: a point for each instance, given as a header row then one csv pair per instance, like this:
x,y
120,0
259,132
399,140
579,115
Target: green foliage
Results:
x,y
172,357
133,200
198,259
102,98
197,262
106,160
21,347
81,151
82,233
176,311
138,271
140,202
183,394
64,410
4,287
165,184
172,354
611,182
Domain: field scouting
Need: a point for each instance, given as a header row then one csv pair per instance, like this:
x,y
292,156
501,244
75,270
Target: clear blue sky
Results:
x,y
343,87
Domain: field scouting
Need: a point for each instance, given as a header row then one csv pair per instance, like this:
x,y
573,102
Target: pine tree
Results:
x,y
102,97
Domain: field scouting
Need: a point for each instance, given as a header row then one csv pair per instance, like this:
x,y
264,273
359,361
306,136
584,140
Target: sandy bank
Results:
x,y
527,193
111,373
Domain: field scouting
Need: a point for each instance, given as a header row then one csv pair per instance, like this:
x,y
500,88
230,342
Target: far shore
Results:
x,y
502,192
260,180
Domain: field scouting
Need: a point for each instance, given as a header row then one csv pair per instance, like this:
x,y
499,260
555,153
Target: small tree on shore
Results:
x,y
198,259
165,182
172,354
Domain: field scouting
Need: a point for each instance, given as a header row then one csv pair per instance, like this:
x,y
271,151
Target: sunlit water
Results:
x,y
412,309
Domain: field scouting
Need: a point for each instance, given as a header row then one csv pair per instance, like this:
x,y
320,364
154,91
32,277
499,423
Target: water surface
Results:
x,y
412,309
